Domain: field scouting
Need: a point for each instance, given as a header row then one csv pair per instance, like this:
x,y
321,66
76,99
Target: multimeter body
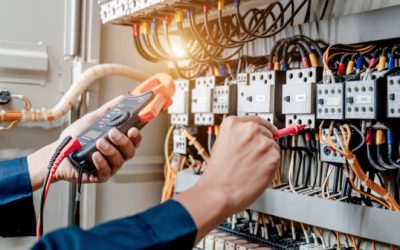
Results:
x,y
123,116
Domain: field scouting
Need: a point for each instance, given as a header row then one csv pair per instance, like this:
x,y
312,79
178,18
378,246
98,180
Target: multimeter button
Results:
x,y
118,119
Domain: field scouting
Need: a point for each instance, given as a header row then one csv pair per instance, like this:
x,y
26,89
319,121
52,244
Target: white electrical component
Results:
x,y
224,101
330,101
202,99
393,97
329,155
259,97
180,108
298,96
111,10
179,142
361,100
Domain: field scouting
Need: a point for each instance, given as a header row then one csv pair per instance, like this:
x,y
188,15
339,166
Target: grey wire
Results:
x,y
361,136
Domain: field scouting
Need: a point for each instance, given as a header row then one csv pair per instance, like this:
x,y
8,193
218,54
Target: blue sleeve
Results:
x,y
165,227
17,213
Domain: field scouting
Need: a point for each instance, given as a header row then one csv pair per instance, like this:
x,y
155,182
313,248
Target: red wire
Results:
x,y
73,145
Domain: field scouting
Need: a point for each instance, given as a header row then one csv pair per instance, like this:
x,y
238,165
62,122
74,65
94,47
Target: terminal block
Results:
x,y
393,97
224,101
202,99
298,96
330,101
242,79
179,142
180,108
329,155
364,99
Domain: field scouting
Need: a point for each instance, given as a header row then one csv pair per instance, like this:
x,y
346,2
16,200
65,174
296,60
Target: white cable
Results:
x,y
88,77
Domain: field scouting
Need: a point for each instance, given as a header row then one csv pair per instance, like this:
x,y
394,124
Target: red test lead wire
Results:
x,y
73,145
290,130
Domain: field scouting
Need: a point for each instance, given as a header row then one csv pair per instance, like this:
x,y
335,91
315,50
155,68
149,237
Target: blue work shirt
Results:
x,y
166,226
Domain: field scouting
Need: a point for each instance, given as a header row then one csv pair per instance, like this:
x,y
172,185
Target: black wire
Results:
x,y
380,159
63,143
322,16
372,162
78,197
308,13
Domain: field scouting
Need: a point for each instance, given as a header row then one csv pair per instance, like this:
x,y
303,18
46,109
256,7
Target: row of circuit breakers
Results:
x,y
291,96
283,98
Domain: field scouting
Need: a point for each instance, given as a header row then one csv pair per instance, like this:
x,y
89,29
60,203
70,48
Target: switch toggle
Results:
x,y
350,100
286,98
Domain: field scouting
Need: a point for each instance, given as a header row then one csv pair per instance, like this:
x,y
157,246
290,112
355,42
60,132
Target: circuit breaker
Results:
x,y
393,97
180,108
259,97
330,101
202,99
327,153
363,99
224,99
298,96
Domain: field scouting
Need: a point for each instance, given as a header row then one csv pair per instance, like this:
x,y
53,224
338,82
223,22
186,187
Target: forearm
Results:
x,y
207,206
37,164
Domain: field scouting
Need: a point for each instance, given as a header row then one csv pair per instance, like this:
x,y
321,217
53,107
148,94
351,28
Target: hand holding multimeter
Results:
x,y
134,110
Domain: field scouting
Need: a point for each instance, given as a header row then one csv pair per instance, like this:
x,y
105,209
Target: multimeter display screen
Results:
x,y
93,134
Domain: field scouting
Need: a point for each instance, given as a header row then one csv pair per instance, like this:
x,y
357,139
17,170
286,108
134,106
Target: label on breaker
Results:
x,y
300,98
364,99
261,98
203,100
223,99
333,101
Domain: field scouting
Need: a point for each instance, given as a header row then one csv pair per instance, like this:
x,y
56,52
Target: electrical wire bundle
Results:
x,y
201,48
383,197
297,48
65,148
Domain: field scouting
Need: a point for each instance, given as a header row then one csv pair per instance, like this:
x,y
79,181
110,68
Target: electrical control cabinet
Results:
x,y
202,99
326,152
224,99
393,97
330,101
180,108
179,142
362,99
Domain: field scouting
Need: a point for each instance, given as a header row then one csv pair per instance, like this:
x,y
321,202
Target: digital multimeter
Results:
x,y
135,110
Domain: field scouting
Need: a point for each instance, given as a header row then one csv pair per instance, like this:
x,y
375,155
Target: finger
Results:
x,y
103,169
135,136
259,120
122,142
112,155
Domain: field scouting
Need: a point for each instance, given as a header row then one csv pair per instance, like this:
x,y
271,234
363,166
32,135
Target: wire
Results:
x,y
51,162
322,16
71,146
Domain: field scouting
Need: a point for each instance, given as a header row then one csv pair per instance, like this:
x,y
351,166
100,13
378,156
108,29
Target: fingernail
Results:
x,y
275,128
115,134
135,132
103,145
97,156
